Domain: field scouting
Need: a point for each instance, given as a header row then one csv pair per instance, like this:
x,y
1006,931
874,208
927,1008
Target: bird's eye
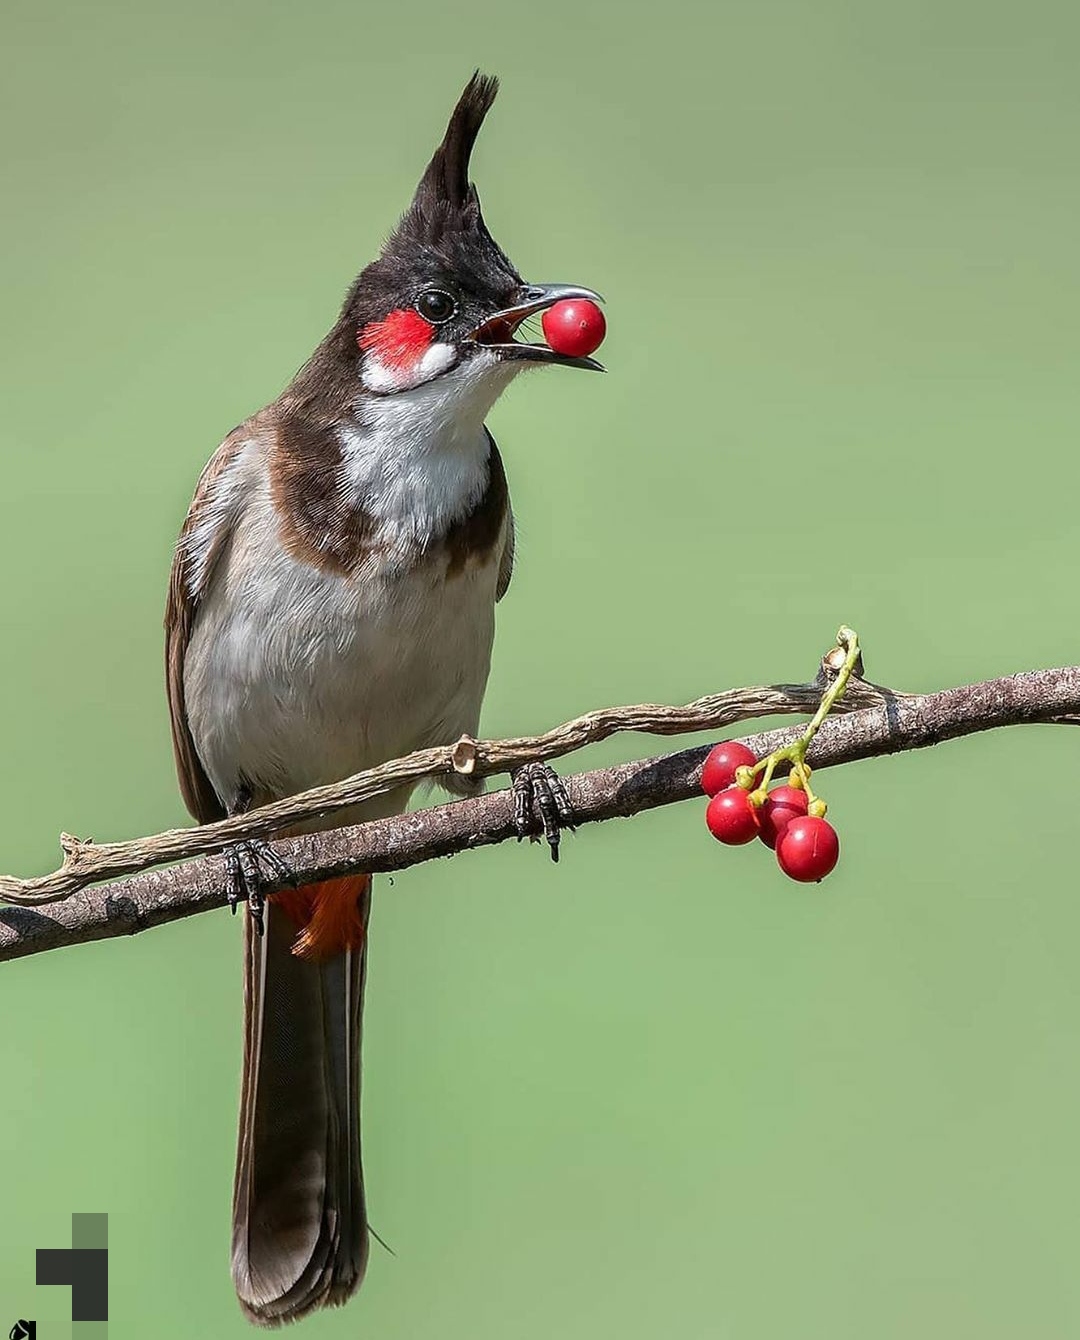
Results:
x,y
436,306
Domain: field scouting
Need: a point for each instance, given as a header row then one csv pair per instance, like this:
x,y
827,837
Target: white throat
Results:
x,y
417,461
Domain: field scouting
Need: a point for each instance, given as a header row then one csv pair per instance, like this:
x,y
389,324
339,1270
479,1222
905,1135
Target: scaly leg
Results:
x,y
541,804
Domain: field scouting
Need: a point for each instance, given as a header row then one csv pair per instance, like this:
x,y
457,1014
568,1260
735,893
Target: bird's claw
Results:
x,y
541,805
245,877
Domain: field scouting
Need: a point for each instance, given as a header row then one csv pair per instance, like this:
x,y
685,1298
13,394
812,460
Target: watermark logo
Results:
x,y
84,1269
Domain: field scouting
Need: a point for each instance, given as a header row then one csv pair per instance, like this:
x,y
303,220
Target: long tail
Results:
x,y
300,1236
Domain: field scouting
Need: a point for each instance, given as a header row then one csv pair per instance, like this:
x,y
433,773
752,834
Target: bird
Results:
x,y
331,606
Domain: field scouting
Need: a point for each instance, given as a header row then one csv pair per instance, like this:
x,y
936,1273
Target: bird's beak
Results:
x,y
497,332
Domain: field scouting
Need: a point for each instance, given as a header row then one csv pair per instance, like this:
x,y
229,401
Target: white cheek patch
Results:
x,y
383,377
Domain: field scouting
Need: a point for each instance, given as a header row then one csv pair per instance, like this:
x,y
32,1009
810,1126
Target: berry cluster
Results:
x,y
788,818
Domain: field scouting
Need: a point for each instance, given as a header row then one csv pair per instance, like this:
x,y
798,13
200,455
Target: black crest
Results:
x,y
441,240
445,184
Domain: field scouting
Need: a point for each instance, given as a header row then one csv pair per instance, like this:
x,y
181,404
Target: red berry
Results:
x,y
731,818
783,804
574,327
808,849
719,769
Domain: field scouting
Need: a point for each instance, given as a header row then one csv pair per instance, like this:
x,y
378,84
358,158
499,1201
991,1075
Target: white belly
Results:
x,y
295,677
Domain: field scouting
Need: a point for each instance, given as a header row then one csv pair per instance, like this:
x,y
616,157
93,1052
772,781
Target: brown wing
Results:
x,y
210,523
506,558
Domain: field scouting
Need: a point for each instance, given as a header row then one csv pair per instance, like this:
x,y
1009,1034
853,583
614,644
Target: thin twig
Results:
x,y
896,723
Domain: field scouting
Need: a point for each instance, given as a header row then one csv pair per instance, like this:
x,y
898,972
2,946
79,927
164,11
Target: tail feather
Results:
x,y
300,1237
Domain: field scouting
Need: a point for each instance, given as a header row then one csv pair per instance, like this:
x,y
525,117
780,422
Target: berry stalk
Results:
x,y
847,640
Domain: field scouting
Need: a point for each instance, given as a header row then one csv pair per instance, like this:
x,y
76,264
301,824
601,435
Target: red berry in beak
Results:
x,y
574,327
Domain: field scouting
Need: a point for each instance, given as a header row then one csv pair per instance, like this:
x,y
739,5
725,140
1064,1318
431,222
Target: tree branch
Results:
x,y
87,862
895,723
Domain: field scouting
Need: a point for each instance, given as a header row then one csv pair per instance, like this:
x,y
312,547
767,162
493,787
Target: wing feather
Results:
x,y
506,557
205,535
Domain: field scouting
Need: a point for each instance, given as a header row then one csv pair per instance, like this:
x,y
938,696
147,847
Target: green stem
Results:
x,y
795,753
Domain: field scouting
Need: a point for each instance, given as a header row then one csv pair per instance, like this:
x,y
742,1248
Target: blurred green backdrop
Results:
x,y
657,1090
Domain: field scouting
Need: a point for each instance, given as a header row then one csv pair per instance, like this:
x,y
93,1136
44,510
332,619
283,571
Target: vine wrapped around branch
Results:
x,y
890,723
87,862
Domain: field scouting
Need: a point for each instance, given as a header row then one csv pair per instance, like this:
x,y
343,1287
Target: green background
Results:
x,y
659,1089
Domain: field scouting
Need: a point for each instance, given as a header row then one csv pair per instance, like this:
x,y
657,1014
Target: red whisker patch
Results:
x,y
399,340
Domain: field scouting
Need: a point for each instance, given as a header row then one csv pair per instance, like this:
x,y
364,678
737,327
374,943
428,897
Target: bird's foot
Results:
x,y
246,861
541,804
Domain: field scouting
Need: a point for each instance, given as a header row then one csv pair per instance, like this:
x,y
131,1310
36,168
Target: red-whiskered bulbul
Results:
x,y
332,606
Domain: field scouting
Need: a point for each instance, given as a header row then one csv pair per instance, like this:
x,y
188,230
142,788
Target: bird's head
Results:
x,y
443,301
